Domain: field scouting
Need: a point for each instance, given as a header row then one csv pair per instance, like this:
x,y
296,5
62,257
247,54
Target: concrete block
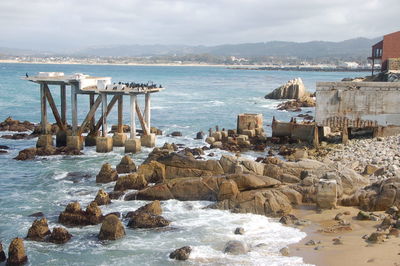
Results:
x,y
232,132
304,132
61,138
148,140
217,136
90,140
249,132
104,144
249,121
119,139
241,139
224,134
44,141
210,140
326,194
133,145
281,129
75,142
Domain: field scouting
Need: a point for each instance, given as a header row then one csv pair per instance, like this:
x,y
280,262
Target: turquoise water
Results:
x,y
196,98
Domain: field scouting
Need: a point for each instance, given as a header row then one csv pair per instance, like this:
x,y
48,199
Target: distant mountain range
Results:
x,y
315,49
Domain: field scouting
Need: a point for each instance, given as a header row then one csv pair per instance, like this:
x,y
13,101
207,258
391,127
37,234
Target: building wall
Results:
x,y
357,104
391,48
393,64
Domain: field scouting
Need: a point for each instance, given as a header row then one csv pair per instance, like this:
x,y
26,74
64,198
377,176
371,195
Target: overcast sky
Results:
x,y
68,24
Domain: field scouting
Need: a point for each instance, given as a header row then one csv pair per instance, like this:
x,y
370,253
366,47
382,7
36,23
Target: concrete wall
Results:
x,y
358,104
249,121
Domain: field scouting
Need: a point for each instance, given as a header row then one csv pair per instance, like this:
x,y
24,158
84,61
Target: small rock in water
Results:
x,y
337,241
146,220
102,198
376,237
181,253
59,236
16,252
362,215
39,230
339,216
235,247
284,251
37,214
176,134
111,228
239,231
200,135
126,165
4,147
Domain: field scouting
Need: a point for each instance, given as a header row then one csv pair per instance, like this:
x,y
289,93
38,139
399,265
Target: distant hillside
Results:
x,y
352,47
358,47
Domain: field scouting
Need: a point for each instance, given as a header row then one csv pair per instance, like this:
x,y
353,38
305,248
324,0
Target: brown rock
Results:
x,y
16,252
75,216
235,247
27,154
111,228
370,169
126,165
2,254
106,174
153,208
288,219
251,181
39,230
131,181
59,235
146,220
376,237
116,194
182,253
153,172
102,198
228,190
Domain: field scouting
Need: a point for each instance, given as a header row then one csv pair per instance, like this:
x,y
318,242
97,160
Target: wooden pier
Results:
x,y
99,89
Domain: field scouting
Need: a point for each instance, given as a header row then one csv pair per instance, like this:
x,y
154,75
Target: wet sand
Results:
x,y
354,251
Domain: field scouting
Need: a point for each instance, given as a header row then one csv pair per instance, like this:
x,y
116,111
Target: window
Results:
x,y
378,52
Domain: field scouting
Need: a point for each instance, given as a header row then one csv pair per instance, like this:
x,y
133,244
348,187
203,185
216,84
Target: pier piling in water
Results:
x,y
92,86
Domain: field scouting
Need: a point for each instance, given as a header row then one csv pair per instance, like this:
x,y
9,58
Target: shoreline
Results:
x,y
231,67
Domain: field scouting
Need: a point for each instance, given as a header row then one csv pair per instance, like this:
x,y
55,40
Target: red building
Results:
x,y
389,47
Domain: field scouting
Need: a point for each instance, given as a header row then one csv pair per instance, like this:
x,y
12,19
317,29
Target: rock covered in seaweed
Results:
x,y
39,230
73,215
16,252
106,174
59,235
126,165
102,198
182,253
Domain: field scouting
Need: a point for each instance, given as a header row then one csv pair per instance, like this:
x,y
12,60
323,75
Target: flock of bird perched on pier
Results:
x,y
134,86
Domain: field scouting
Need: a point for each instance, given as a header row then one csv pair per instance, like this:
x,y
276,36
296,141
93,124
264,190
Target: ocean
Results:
x,y
195,99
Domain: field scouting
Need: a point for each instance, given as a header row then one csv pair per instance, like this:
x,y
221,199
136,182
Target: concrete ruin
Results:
x,y
345,106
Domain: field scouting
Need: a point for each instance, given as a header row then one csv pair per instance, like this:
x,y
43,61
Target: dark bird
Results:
x,y
26,74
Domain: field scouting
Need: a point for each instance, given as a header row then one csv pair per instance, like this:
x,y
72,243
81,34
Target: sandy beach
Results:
x,y
353,251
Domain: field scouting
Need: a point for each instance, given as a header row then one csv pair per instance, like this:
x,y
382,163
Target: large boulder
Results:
x,y
270,202
111,228
131,181
102,198
39,230
181,253
234,165
16,252
26,154
126,165
189,188
179,165
236,247
293,89
153,172
73,215
106,174
251,181
153,208
2,254
59,235
147,220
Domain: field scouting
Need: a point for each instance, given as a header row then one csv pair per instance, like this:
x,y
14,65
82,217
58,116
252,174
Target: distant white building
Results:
x,y
350,64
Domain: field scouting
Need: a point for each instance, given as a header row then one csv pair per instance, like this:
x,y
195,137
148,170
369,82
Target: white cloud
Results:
x,y
42,24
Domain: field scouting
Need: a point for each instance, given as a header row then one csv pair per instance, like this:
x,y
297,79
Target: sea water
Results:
x,y
195,99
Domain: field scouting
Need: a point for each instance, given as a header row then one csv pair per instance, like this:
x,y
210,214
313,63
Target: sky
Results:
x,y
71,24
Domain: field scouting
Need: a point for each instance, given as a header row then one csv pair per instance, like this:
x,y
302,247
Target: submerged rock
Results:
x,y
147,220
106,174
111,228
182,253
59,236
39,230
235,247
239,231
16,252
75,216
102,198
126,165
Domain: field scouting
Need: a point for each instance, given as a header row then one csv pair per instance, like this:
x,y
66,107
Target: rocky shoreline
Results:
x,y
329,191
